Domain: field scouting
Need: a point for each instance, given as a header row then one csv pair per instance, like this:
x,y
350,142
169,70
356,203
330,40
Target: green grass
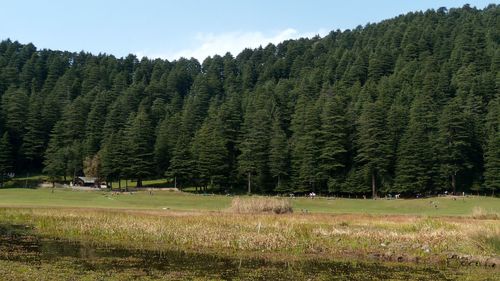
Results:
x,y
445,206
43,197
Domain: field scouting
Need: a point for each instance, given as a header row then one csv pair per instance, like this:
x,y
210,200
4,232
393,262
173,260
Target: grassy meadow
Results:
x,y
169,200
440,232
292,235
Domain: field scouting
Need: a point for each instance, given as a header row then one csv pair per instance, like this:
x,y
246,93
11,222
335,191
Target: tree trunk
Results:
x,y
175,182
453,184
249,183
26,182
119,183
374,190
279,182
139,182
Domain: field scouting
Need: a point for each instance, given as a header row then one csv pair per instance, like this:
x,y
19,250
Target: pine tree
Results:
x,y
14,107
113,157
332,140
492,165
6,158
139,137
74,159
416,169
279,155
95,124
167,133
209,151
373,144
453,142
34,140
305,146
55,163
231,114
181,165
492,151
254,143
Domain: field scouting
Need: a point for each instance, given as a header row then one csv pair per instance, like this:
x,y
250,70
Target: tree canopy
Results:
x,y
408,105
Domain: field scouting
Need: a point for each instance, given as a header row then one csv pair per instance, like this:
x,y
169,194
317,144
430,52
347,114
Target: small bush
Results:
x,y
481,213
261,205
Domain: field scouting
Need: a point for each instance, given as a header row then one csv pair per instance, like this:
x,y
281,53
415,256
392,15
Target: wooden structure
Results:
x,y
89,181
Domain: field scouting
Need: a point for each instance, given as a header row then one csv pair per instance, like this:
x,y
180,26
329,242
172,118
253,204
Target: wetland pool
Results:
x,y
24,256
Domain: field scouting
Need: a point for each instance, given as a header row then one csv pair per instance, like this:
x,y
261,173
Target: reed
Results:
x,y
255,205
290,236
481,213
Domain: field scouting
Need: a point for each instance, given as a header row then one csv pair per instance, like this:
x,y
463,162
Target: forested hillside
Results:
x,y
408,105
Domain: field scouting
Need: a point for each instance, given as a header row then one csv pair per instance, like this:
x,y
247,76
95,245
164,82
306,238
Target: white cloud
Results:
x,y
209,44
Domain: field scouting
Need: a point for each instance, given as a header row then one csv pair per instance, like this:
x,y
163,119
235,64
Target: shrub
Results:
x,y
261,205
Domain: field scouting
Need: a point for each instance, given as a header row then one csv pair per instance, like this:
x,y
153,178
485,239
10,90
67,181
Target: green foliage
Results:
x,y
34,141
279,156
416,169
453,142
373,153
254,142
492,151
210,152
6,158
408,105
139,145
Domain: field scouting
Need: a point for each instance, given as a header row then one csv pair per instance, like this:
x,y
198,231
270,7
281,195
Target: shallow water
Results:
x,y
24,256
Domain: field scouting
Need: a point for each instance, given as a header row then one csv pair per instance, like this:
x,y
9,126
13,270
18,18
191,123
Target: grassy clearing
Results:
x,y
43,197
355,230
254,205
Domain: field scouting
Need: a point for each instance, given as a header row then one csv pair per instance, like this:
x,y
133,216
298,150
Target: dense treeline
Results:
x,y
408,105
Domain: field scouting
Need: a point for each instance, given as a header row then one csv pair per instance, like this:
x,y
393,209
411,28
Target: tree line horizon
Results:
x,y
408,105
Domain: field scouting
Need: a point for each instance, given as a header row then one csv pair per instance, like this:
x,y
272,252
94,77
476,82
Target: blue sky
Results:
x,y
189,28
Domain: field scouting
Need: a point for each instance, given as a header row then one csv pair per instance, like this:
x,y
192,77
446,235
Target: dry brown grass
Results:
x,y
481,213
292,235
255,205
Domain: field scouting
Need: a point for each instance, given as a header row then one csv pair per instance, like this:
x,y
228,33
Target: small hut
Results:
x,y
86,181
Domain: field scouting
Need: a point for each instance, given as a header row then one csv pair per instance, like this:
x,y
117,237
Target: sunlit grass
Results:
x,y
290,234
169,200
255,205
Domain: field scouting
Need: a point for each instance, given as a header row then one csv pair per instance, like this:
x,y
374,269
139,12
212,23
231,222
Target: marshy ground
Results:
x,y
71,235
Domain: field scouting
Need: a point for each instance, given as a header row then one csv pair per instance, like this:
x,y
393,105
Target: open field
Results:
x,y
43,197
176,236
402,247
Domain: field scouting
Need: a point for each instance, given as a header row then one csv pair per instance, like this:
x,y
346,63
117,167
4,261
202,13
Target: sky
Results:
x,y
189,28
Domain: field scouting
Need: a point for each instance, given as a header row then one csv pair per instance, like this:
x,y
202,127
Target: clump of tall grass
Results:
x,y
481,213
261,205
